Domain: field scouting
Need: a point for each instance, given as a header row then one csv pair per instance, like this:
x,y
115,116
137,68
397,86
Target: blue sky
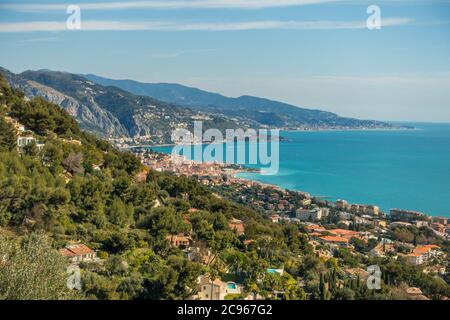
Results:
x,y
311,53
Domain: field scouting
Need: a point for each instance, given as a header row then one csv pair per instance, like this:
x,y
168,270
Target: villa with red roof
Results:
x,y
343,233
422,254
314,228
78,253
333,240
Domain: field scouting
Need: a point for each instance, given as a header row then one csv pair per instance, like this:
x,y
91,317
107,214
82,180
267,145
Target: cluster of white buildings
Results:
x,y
312,215
361,209
406,215
24,137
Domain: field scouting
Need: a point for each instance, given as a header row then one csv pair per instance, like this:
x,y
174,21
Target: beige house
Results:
x,y
177,240
333,240
18,127
237,226
275,218
311,215
382,249
217,289
343,233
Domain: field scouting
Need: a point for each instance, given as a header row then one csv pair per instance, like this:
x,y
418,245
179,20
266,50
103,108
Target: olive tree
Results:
x,y
31,270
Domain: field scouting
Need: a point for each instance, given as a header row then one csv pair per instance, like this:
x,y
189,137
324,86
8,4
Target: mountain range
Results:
x,y
147,113
263,111
112,112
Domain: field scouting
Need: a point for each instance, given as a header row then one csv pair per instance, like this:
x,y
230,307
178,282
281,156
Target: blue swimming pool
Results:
x,y
231,285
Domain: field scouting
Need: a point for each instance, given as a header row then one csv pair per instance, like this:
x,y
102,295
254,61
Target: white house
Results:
x,y
422,254
24,141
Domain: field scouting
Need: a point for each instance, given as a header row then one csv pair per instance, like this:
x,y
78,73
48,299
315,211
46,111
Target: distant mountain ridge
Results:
x,y
90,115
133,113
113,112
263,111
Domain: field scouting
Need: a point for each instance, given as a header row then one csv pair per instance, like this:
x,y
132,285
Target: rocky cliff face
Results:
x,y
113,112
87,112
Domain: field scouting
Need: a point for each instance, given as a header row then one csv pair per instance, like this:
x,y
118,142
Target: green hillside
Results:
x,y
79,188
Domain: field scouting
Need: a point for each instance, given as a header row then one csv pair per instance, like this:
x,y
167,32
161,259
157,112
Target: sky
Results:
x,y
316,54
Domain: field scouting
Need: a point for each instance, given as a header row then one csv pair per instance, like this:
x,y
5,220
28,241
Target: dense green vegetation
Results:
x,y
33,271
87,191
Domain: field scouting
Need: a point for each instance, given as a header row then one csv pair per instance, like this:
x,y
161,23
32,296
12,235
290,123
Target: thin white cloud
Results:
x,y
168,4
49,26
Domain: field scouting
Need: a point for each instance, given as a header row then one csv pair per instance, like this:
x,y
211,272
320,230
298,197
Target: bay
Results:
x,y
407,169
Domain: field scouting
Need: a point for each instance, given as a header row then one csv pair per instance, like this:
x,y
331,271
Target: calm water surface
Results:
x,y
407,169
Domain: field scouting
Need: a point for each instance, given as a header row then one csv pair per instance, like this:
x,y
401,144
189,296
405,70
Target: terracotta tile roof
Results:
x,y
413,290
315,227
178,237
75,250
237,226
343,232
334,239
425,249
66,253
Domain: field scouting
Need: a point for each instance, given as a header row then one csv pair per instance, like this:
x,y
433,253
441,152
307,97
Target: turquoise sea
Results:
x,y
408,169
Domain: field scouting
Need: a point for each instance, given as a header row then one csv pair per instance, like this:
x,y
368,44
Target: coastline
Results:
x,y
313,196
356,130
270,185
288,130
385,204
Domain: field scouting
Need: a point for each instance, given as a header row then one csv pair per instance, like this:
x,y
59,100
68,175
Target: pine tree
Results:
x,y
8,139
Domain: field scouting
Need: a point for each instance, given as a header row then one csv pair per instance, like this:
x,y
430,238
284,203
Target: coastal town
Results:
x,y
122,221
362,230
225,158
